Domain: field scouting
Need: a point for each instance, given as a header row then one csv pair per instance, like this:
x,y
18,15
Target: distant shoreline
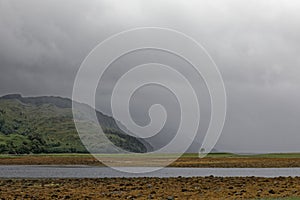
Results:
x,y
219,160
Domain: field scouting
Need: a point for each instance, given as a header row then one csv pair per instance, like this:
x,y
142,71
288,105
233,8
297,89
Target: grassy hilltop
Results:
x,y
45,125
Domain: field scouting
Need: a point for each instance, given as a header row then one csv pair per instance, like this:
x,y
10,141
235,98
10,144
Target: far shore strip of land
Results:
x,y
215,160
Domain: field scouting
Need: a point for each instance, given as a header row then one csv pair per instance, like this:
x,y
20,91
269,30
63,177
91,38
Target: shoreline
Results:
x,y
208,187
152,188
191,161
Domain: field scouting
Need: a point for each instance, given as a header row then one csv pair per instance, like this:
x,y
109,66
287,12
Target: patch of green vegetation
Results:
x,y
221,155
232,155
41,127
278,155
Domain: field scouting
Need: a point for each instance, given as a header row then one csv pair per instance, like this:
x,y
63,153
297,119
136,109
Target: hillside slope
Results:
x,y
45,125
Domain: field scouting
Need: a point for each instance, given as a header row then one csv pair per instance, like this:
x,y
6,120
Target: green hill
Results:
x,y
45,125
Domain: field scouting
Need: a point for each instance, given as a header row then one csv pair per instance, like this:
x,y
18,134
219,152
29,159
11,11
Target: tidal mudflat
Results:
x,y
151,188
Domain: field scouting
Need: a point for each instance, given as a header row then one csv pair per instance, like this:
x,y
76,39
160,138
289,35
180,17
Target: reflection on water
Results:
x,y
80,171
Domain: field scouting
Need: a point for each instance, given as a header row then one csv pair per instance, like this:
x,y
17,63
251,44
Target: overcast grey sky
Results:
x,y
256,45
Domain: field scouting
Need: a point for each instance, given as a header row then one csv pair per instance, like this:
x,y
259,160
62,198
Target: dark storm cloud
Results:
x,y
43,44
256,45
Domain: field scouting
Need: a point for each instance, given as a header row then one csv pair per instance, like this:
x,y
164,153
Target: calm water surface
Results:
x,y
80,171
